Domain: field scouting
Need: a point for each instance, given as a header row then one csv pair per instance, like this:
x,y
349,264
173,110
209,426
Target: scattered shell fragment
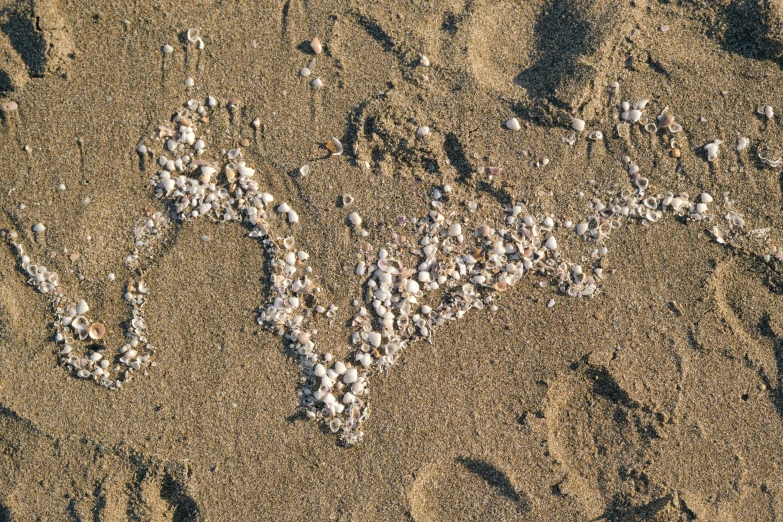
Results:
x,y
334,146
712,150
596,135
304,170
315,45
513,124
423,131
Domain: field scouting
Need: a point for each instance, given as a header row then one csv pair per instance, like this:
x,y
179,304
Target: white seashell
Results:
x,y
293,217
551,243
455,230
167,49
596,135
319,370
701,208
742,143
304,71
423,131
283,208
81,307
677,204
304,170
424,61
581,228
641,104
317,83
38,228
315,45
193,34
355,219
374,338
706,198
513,124
351,376
712,150
189,82
652,217
625,106
578,125
633,169
634,115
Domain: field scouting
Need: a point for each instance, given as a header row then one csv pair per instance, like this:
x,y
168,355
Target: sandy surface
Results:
x,y
660,398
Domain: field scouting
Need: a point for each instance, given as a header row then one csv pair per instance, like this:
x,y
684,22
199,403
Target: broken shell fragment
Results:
x,y
712,150
315,45
334,146
596,136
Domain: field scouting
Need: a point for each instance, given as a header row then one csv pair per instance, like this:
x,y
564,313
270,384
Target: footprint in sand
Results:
x,y
465,488
35,40
48,478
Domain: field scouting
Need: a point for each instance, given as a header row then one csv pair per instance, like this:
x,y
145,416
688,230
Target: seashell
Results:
x,y
651,128
317,83
347,200
355,219
334,146
742,143
193,35
633,168
167,49
665,120
642,184
641,104
8,106
578,125
38,228
315,45
283,208
374,338
551,243
81,307
80,323
596,135
674,128
423,131
712,150
652,217
766,110
581,229
651,203
293,217
305,72
625,106
513,124
351,376
424,61
706,198
96,331
455,230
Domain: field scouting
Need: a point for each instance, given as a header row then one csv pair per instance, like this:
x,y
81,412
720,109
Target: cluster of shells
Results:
x,y
441,266
74,329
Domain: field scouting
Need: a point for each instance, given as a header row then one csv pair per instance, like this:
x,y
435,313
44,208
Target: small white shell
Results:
x,y
578,125
551,243
39,227
304,71
423,131
581,228
596,135
355,219
315,45
742,143
712,150
167,49
317,83
81,307
424,61
706,198
293,217
513,124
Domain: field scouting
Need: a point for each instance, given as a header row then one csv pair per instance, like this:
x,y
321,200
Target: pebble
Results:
x,y
8,106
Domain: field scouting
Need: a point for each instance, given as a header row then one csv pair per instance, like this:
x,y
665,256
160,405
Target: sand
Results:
x,y
660,398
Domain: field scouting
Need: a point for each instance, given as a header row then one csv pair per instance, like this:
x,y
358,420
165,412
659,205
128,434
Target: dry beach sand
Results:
x,y
658,398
